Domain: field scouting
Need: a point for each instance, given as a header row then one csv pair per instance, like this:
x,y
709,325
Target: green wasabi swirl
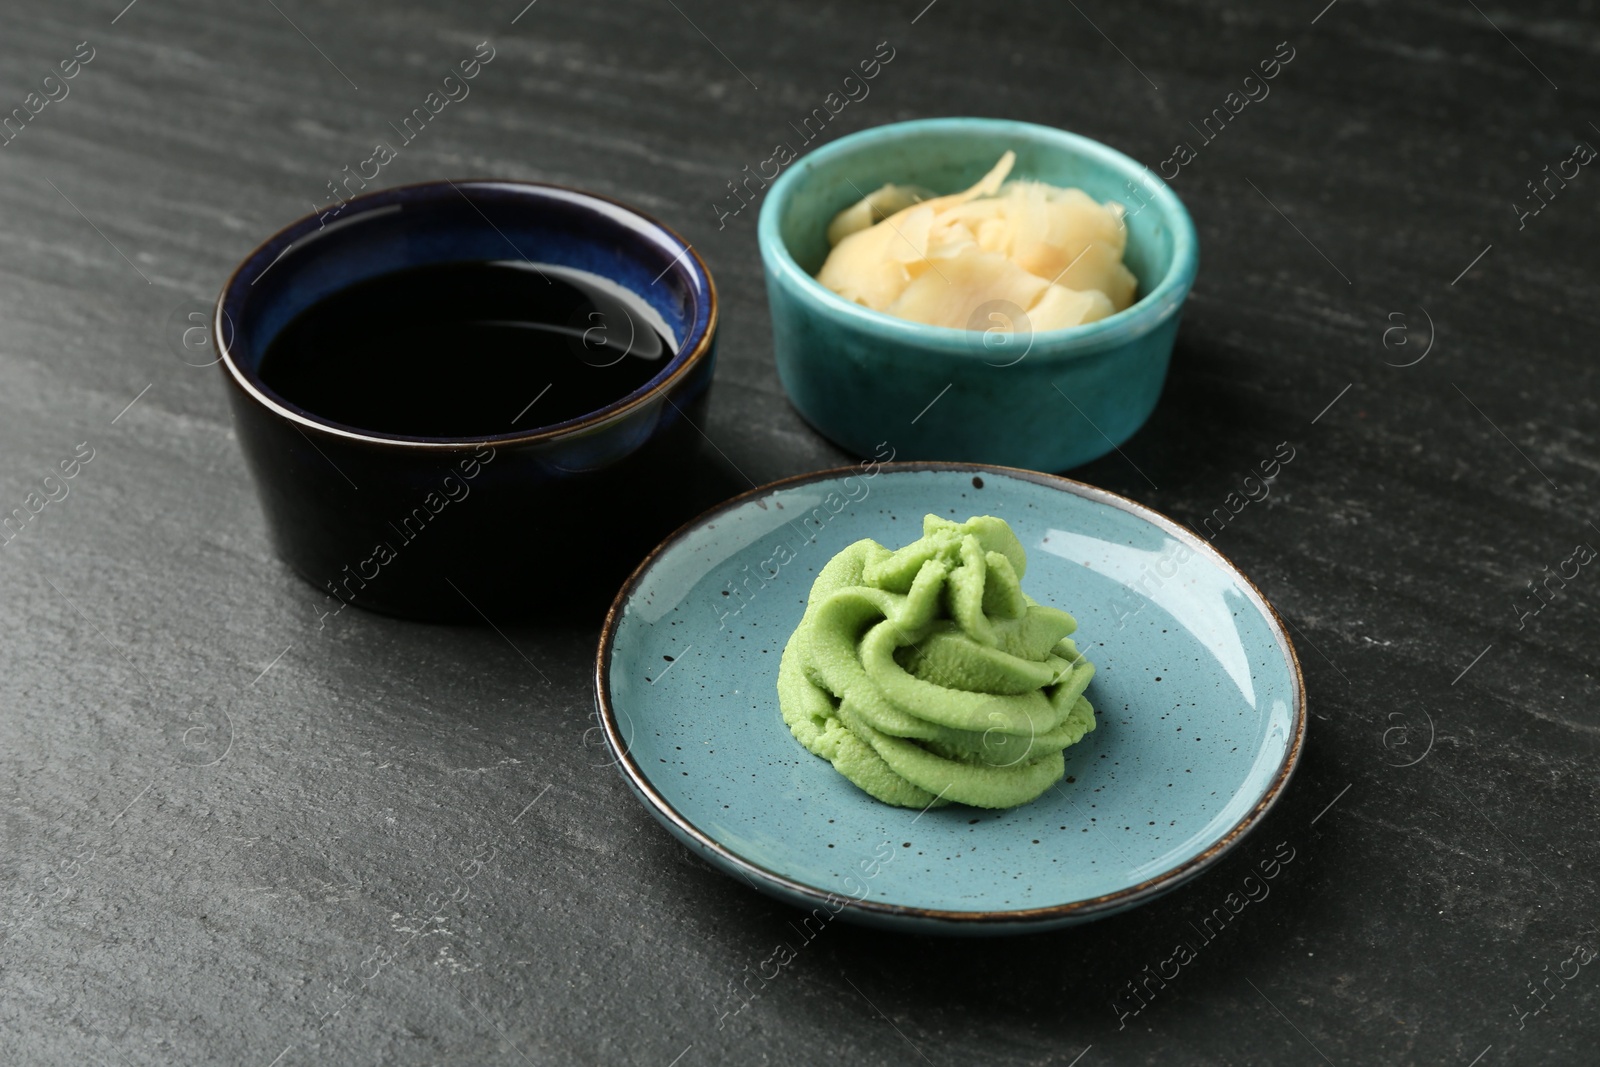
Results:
x,y
926,676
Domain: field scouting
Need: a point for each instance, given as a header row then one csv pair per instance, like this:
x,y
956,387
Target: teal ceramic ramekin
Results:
x,y
1049,400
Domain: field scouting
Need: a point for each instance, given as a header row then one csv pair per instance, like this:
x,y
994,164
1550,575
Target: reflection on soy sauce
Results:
x,y
469,349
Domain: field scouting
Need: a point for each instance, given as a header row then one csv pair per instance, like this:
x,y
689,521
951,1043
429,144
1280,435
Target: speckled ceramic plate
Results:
x,y
1200,720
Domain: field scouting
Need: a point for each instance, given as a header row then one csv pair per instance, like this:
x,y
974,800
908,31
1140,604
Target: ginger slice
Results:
x,y
954,287
873,208
863,269
1060,307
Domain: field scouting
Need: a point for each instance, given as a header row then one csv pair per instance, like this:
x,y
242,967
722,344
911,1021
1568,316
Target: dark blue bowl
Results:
x,y
511,526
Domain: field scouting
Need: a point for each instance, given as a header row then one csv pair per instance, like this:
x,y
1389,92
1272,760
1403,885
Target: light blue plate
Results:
x,y
1199,701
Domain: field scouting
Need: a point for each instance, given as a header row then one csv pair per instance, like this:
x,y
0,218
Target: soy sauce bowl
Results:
x,y
538,522
996,392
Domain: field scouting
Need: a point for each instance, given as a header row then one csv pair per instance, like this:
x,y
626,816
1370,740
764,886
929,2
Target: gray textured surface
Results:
x,y
220,820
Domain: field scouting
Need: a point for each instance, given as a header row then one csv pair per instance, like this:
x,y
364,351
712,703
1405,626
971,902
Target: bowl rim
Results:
x,y
997,920
693,351
1138,318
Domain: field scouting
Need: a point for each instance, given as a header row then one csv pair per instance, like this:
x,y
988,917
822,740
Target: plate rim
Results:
x,y
1053,914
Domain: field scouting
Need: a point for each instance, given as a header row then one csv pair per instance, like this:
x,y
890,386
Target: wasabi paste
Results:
x,y
926,676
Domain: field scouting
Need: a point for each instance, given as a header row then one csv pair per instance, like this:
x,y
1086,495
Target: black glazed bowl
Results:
x,y
511,527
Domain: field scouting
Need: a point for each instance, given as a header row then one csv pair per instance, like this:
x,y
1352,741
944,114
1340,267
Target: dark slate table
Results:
x,y
222,814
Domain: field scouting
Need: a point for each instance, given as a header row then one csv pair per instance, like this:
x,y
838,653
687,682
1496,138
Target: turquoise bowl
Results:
x,y
1049,400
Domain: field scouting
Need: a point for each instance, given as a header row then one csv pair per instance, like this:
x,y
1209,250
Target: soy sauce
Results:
x,y
466,350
